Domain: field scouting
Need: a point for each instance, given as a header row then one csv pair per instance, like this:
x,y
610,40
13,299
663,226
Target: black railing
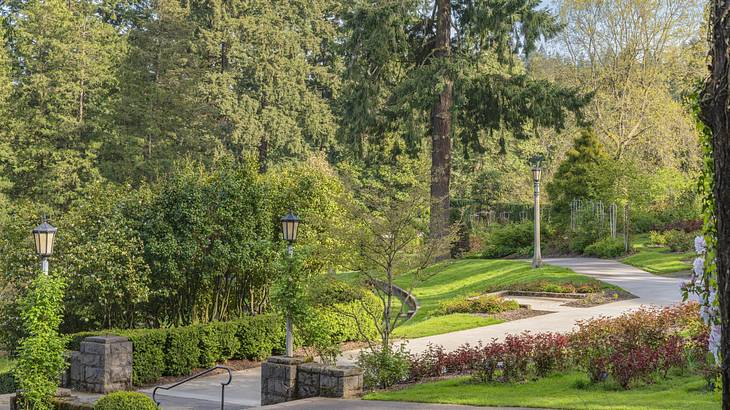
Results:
x,y
223,384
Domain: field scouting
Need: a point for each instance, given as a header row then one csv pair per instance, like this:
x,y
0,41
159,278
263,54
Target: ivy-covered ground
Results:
x,y
466,277
659,260
570,391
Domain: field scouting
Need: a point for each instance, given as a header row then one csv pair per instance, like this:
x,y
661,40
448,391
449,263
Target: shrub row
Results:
x,y
553,287
634,347
606,248
177,351
479,304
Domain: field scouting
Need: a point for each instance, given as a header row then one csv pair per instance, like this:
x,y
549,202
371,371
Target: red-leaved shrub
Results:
x,y
633,347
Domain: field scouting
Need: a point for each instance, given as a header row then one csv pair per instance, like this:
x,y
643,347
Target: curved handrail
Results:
x,y
403,295
223,384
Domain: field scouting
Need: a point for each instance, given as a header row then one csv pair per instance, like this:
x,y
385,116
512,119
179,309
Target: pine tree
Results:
x,y
448,70
269,75
160,112
576,177
64,79
7,157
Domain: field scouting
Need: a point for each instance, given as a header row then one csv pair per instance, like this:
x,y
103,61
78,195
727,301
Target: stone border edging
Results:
x,y
540,294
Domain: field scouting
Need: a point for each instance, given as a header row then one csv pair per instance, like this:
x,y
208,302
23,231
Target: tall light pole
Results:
x,y
289,227
537,255
44,234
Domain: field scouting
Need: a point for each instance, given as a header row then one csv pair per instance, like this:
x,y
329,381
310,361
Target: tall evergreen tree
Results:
x,y
63,84
7,157
160,113
449,69
269,75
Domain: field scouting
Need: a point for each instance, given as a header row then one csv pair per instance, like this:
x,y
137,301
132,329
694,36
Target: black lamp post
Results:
x,y
537,254
44,235
289,227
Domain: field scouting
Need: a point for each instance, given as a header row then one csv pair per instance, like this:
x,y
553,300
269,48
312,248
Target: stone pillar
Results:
x,y
279,379
342,382
103,365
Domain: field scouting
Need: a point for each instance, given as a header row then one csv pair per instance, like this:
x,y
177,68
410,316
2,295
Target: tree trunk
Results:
x,y
441,128
714,102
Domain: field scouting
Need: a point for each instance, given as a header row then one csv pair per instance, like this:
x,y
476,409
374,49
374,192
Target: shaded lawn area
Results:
x,y
467,277
658,260
570,391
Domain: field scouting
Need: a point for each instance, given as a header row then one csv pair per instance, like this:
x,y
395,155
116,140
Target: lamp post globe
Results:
x,y
43,236
289,229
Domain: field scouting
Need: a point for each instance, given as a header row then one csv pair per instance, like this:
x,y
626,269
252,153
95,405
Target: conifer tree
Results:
x,y
576,175
450,70
63,85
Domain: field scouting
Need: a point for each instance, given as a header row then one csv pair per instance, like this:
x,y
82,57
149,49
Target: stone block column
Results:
x,y
279,379
103,365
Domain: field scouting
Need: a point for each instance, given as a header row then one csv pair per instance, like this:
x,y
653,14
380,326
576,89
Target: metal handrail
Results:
x,y
223,384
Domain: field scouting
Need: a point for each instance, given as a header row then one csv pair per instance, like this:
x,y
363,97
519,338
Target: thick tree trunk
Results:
x,y
441,129
715,113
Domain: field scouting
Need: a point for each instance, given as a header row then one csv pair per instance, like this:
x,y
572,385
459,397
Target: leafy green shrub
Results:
x,y
384,368
657,238
148,354
512,239
680,241
124,400
41,354
218,342
182,351
7,383
606,248
259,336
480,304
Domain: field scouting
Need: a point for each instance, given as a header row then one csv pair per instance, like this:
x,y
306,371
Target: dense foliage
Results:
x,y
197,246
41,353
478,304
125,401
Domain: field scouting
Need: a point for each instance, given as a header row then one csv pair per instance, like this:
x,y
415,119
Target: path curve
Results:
x,y
650,290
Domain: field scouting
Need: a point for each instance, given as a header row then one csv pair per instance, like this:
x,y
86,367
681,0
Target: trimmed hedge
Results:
x,y
124,400
177,351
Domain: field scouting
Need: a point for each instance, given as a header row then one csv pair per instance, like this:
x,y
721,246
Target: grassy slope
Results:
x,y
471,276
658,260
562,392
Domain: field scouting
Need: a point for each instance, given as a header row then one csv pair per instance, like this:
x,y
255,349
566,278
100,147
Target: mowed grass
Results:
x,y
659,260
467,277
570,391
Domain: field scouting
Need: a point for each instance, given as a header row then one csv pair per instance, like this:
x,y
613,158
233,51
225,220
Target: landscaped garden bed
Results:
x,y
467,278
650,358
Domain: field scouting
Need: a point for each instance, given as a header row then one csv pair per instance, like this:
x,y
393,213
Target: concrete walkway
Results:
x,y
649,289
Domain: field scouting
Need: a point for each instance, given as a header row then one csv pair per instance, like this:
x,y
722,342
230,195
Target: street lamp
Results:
x,y
289,227
44,234
536,255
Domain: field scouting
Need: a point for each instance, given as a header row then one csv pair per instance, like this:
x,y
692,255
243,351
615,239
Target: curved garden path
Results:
x,y
650,290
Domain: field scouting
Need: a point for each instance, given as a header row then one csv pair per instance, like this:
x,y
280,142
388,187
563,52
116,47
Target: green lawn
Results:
x,y
562,392
658,260
472,276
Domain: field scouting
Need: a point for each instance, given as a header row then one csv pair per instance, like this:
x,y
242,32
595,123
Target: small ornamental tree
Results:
x,y
41,353
389,236
576,176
